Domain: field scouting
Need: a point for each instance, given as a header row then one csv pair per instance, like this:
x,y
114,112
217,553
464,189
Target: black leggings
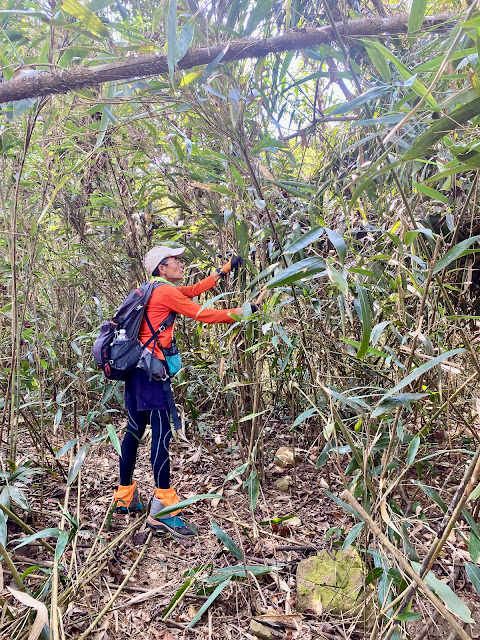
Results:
x,y
159,456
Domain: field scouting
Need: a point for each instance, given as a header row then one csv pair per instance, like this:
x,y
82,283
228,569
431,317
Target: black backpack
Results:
x,y
118,358
117,354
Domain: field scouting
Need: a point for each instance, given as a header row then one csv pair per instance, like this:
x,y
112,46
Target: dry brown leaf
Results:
x,y
41,618
266,172
163,634
386,518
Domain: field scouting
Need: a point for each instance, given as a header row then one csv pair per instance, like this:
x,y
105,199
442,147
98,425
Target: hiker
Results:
x,y
147,400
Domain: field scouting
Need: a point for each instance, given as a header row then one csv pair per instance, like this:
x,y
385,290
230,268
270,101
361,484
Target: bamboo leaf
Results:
x,y
61,545
227,541
352,535
285,64
303,416
308,238
474,546
336,277
417,14
86,17
417,86
455,253
41,619
412,449
208,602
431,193
365,315
209,69
77,463
260,10
377,331
185,39
441,127
171,37
359,101
443,591
379,61
473,573
98,5
3,528
112,434
45,533
339,244
237,472
177,597
297,271
19,497
66,447
187,502
419,371
190,77
253,488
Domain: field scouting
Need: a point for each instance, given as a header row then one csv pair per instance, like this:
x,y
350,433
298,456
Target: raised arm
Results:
x,y
182,304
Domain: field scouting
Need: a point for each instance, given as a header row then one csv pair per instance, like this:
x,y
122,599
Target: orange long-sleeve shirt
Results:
x,y
167,298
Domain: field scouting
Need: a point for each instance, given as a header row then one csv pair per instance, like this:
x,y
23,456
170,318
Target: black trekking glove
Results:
x,y
233,264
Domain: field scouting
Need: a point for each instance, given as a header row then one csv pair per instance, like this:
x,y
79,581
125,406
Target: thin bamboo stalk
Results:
x,y
437,603
112,600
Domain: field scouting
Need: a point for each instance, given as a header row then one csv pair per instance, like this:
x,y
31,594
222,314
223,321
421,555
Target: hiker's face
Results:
x,y
173,270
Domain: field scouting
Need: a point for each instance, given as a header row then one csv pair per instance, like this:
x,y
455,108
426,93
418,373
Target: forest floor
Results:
x,y
168,564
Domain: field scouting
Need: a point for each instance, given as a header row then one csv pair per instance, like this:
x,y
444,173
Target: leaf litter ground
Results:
x,y
167,565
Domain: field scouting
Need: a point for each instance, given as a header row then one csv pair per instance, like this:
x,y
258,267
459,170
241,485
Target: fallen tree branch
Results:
x,y
64,80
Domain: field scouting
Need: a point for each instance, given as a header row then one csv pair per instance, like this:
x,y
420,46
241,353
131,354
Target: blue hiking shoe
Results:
x,y
174,525
171,523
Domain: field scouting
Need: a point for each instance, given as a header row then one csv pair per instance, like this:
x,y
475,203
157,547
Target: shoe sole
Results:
x,y
129,512
163,528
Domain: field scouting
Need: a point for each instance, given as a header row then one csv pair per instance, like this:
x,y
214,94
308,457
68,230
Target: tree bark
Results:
x,y
62,81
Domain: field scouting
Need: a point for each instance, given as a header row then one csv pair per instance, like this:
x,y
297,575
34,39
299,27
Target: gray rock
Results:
x,y
284,457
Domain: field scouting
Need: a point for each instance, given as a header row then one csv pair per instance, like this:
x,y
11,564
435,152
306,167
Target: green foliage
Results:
x,y
280,160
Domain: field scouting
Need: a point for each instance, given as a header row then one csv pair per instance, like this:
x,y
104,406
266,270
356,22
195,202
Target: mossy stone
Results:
x,y
334,584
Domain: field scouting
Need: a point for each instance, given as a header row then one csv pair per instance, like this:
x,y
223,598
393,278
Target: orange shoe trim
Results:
x,y
168,497
124,494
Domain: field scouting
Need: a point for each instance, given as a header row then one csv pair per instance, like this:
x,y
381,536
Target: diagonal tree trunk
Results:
x,y
48,83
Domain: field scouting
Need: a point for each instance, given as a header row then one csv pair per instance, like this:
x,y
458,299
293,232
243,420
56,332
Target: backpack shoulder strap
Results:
x,y
169,320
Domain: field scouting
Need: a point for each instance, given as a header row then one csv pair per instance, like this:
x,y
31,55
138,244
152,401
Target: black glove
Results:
x,y
233,264
254,307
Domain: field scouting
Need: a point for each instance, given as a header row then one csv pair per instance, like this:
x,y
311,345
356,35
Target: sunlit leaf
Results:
x,y
365,315
89,19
